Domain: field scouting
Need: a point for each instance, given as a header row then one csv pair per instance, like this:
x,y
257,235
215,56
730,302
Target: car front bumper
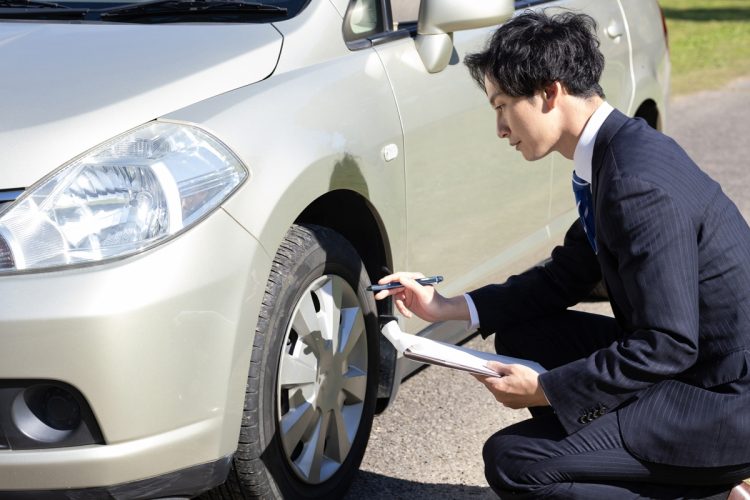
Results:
x,y
158,346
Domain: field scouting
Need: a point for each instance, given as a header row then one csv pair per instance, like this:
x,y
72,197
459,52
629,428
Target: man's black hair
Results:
x,y
533,50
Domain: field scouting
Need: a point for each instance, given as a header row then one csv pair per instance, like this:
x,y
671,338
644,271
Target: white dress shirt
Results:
x,y
585,148
582,157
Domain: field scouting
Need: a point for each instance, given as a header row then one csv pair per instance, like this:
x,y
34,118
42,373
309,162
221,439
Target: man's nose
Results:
x,y
502,130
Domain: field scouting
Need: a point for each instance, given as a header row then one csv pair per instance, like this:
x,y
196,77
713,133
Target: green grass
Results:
x,y
709,42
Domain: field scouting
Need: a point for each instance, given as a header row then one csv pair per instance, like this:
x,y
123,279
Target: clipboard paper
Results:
x,y
433,352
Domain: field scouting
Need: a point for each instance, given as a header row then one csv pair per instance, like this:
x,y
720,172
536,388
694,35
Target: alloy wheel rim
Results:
x,y
322,379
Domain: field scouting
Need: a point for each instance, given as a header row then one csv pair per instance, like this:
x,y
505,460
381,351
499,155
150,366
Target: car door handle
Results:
x,y
614,30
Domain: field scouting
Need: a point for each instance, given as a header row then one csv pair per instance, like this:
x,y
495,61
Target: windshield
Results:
x,y
153,11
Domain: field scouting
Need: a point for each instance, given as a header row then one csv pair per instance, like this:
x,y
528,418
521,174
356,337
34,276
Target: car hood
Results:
x,y
67,87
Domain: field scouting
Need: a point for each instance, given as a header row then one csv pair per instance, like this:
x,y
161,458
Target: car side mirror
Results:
x,y
438,19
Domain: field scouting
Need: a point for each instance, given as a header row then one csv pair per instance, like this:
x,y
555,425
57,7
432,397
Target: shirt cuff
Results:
x,y
473,314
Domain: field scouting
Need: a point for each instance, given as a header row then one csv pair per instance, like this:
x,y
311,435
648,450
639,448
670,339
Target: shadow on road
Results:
x,y
369,485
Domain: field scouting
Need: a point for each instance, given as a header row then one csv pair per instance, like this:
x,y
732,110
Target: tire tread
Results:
x,y
248,477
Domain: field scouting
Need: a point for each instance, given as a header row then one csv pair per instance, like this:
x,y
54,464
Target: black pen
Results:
x,y
432,280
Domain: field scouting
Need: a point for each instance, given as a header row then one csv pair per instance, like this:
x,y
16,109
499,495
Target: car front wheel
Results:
x,y
312,384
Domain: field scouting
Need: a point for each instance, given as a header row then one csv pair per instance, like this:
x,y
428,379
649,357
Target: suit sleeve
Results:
x,y
564,280
654,242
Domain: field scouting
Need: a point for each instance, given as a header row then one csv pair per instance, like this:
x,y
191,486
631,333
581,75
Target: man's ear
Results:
x,y
551,93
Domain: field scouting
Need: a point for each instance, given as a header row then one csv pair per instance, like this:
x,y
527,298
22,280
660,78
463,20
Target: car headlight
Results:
x,y
122,197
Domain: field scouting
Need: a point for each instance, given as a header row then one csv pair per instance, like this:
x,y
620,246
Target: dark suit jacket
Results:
x,y
674,252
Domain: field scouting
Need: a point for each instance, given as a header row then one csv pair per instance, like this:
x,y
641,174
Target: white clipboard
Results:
x,y
437,353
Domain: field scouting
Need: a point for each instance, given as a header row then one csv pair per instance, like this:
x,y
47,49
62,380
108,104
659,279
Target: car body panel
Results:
x,y
159,343
461,180
100,80
651,63
317,149
162,362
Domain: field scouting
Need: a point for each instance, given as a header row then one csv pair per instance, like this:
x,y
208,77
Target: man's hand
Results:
x,y
517,388
423,301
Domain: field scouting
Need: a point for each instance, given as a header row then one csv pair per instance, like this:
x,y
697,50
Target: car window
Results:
x,y
363,17
363,20
407,11
404,11
366,18
522,4
293,7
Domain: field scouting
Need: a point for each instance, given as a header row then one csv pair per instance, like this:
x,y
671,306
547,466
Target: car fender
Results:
x,y
308,132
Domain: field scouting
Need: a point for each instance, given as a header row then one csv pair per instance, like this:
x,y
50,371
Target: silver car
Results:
x,y
194,195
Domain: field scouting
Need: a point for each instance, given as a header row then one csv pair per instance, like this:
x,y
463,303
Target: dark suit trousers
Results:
x,y
536,459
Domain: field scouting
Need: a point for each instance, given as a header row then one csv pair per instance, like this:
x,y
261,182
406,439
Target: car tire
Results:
x,y
312,384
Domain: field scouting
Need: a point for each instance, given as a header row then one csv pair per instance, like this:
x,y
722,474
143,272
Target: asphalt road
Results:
x,y
428,443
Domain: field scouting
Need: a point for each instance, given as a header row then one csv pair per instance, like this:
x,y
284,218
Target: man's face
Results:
x,y
524,121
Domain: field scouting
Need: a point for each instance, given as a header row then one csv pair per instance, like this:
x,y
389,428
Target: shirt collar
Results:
x,y
585,148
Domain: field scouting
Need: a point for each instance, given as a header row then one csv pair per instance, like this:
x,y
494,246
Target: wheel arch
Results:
x,y
351,215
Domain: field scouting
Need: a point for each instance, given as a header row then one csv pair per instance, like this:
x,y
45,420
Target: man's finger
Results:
x,y
498,367
402,308
410,284
398,276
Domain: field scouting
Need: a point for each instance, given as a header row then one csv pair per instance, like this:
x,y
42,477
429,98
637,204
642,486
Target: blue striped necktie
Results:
x,y
582,192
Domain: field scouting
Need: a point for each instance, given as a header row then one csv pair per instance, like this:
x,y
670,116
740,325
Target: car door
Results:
x,y
475,209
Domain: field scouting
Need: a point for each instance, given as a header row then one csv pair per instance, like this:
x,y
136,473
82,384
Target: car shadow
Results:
x,y
708,14
369,485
